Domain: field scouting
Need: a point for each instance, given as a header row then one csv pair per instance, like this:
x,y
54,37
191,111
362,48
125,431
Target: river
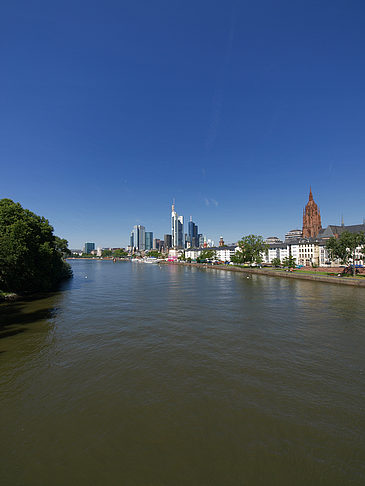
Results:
x,y
138,374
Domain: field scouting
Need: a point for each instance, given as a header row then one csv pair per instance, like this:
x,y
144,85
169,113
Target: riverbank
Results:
x,y
8,297
356,282
99,258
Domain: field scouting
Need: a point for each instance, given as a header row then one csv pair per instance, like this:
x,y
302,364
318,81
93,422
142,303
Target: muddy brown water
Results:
x,y
138,374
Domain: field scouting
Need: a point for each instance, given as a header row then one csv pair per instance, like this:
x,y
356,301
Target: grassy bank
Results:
x,y
298,274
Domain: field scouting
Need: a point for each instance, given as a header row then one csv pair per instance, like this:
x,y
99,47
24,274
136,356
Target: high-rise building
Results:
x,y
193,234
173,227
177,229
186,241
180,232
159,245
139,239
311,218
167,241
89,247
148,240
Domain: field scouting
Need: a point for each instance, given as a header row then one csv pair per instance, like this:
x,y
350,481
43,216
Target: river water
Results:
x,y
137,374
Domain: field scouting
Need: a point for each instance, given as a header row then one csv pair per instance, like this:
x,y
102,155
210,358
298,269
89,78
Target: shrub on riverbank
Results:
x,y
31,256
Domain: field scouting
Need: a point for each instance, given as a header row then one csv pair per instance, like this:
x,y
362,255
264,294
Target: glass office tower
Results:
x,y
139,238
148,240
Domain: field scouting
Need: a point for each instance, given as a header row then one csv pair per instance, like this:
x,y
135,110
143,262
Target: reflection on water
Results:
x,y
145,374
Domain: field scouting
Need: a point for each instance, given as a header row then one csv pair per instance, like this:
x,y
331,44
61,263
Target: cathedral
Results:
x,y
311,218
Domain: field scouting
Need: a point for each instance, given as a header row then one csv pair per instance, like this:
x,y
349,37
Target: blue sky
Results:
x,y
108,110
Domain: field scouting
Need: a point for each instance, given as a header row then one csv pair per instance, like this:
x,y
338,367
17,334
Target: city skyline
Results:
x,y
235,120
190,228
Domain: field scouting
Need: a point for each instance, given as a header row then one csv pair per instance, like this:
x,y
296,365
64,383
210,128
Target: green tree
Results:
x,y
289,262
206,255
343,248
154,254
120,253
276,262
62,246
106,253
31,256
250,250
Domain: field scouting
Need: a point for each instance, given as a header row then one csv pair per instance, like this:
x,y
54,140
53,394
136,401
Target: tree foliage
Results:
x,y
154,254
289,262
343,248
250,250
62,246
276,262
120,253
31,256
206,255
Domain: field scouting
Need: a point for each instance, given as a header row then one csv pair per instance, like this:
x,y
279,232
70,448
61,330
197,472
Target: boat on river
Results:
x,y
151,260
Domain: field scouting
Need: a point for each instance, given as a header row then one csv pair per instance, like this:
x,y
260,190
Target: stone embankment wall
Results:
x,y
356,282
331,269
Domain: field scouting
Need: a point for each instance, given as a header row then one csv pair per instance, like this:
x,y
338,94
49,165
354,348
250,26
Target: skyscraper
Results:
x,y
139,239
148,240
173,227
157,244
177,229
180,232
167,241
193,234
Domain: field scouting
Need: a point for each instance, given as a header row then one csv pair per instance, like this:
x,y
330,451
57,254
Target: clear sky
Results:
x,y
110,109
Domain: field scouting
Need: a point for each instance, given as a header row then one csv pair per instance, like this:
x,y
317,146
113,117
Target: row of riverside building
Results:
x,y
307,246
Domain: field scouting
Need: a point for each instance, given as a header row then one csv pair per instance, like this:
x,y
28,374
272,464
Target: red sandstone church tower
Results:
x,y
311,218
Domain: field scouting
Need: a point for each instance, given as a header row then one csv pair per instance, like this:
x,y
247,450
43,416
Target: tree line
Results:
x,y
32,258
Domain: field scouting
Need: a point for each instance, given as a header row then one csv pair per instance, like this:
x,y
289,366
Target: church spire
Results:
x,y
311,218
